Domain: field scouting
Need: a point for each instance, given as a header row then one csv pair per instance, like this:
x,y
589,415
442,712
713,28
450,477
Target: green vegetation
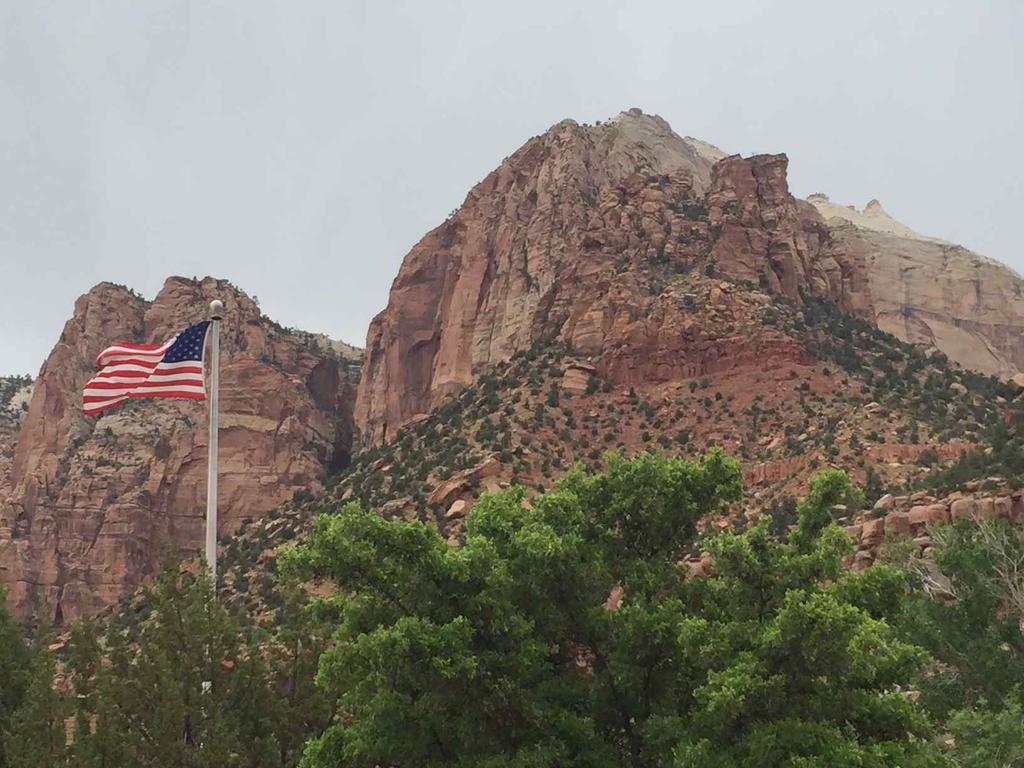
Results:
x,y
563,632
15,657
953,403
503,652
1003,457
179,683
969,613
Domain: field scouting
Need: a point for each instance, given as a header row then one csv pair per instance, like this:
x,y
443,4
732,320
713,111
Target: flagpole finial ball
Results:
x,y
216,309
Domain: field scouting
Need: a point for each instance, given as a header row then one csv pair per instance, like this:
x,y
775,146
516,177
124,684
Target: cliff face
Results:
x,y
15,392
619,288
572,237
87,506
930,292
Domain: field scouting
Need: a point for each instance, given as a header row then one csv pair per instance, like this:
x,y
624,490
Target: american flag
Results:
x,y
171,369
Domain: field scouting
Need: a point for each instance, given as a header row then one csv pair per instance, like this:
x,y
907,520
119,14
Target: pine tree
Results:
x,y
293,656
92,746
153,705
15,657
38,735
184,684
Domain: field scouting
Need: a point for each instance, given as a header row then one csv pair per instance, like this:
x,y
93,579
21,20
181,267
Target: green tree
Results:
x,y
796,662
968,611
151,707
292,657
990,737
92,701
15,659
563,634
37,736
184,684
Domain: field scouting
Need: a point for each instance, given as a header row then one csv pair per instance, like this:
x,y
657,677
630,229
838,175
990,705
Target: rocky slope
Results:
x,y
828,391
87,506
608,287
931,292
15,393
575,236
620,288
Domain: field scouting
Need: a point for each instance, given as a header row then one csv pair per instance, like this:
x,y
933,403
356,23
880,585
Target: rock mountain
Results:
x,y
557,240
613,286
88,506
927,291
619,287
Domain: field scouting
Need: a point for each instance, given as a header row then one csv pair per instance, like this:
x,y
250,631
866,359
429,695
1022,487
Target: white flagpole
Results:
x,y
216,313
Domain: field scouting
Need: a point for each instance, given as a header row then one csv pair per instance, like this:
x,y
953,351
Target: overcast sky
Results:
x,y
301,148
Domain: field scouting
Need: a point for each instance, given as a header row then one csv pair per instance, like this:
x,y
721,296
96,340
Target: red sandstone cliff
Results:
x,y
573,237
87,506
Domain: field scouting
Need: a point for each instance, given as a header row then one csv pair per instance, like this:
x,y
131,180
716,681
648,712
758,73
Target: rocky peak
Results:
x,y
709,152
930,292
577,234
568,238
873,217
87,505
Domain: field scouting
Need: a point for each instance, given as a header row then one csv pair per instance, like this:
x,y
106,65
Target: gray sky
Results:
x,y
301,148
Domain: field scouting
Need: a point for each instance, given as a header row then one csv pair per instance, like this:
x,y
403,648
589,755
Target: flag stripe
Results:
x,y
95,395
100,396
139,350
93,409
149,362
93,402
99,406
120,389
128,377
133,368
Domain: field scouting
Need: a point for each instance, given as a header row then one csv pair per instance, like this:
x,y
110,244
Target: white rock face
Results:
x,y
873,217
709,152
19,403
927,291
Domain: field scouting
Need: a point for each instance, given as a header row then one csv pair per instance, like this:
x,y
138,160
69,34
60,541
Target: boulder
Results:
x,y
1003,507
960,508
885,503
457,509
872,532
862,560
446,491
898,523
929,514
577,377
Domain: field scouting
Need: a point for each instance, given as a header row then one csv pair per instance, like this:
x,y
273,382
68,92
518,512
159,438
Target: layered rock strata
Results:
x,y
574,236
88,506
930,292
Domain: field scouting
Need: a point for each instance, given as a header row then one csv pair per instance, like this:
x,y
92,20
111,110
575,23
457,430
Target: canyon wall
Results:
x,y
89,505
573,237
930,292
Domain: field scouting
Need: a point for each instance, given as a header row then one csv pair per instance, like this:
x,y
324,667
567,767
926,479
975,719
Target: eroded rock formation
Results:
x,y
931,292
573,237
88,506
